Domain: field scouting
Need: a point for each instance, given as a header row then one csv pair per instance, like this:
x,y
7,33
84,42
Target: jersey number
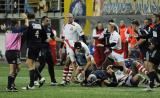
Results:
x,y
37,34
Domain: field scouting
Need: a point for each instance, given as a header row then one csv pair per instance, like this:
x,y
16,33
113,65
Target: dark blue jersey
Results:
x,y
103,75
156,30
47,34
34,34
100,74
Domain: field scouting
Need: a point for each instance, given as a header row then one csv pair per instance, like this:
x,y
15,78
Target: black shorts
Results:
x,y
33,53
13,56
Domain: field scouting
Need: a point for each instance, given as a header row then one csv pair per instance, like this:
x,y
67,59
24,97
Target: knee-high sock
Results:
x,y
141,68
15,75
32,75
151,78
10,81
70,73
37,74
51,73
65,73
156,77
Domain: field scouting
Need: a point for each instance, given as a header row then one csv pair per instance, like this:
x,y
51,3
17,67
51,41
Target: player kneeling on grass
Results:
x,y
79,58
102,78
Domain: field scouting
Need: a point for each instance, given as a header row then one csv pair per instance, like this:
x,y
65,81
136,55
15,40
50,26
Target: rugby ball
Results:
x,y
80,78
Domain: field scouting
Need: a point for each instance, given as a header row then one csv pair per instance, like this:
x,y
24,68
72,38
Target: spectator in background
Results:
x,y
98,7
131,40
123,33
99,55
43,6
78,8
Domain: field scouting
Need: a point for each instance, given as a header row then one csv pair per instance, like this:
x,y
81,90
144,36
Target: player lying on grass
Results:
x,y
97,77
102,78
135,78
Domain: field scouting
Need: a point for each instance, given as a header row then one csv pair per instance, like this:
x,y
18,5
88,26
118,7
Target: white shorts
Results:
x,y
117,57
128,81
70,54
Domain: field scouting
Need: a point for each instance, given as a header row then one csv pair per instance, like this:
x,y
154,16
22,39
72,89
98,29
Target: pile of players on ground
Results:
x,y
122,56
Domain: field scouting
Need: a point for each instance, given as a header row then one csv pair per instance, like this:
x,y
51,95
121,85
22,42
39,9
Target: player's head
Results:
x,y
154,44
45,20
111,27
15,22
156,17
99,25
31,16
122,23
135,24
147,21
77,46
70,18
91,78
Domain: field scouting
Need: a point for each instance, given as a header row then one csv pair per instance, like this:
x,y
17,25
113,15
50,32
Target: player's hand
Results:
x,y
83,73
136,46
48,40
3,27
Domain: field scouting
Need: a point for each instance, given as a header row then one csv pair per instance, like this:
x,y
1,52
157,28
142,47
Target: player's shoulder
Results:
x,y
83,44
75,24
94,30
115,33
36,25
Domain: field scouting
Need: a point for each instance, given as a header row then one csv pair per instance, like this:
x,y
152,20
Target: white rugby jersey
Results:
x,y
115,38
120,76
72,31
70,51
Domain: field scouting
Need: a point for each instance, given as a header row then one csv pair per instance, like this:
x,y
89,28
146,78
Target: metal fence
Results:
x,y
19,6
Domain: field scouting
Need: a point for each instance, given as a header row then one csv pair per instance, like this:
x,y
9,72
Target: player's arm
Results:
x,y
108,45
89,63
113,41
3,27
106,81
83,38
54,37
94,35
88,56
24,16
81,33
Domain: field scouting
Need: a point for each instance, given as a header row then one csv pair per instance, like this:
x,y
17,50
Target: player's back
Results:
x,y
12,40
34,33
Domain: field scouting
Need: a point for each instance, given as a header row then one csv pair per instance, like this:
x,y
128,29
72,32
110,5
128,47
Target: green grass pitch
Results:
x,y
69,91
